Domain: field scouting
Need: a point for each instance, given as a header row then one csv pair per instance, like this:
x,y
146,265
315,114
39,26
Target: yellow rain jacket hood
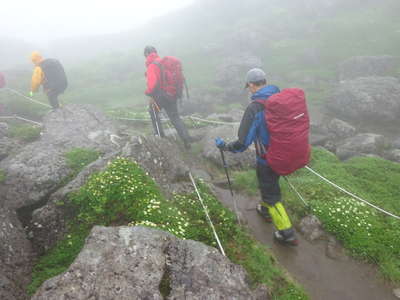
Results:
x,y
38,75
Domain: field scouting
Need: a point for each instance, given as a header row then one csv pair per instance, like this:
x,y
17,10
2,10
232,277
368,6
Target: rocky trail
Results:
x,y
323,278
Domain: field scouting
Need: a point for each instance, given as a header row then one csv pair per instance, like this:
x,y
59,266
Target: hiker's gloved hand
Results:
x,y
31,94
220,143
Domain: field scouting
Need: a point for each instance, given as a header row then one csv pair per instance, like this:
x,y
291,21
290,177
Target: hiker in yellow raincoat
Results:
x,y
49,73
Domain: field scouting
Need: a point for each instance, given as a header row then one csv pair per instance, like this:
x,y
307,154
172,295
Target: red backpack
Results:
x,y
2,81
172,79
288,124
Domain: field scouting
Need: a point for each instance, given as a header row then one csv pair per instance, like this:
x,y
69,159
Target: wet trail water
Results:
x,y
321,276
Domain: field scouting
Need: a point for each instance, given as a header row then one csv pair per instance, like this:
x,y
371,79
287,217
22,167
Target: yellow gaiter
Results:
x,y
279,216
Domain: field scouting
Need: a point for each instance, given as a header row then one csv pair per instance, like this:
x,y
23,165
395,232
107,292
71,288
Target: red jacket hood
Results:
x,y
151,58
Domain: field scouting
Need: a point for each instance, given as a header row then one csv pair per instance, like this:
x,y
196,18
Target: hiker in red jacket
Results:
x,y
163,96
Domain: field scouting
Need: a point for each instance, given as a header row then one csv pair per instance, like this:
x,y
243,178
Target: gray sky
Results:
x,y
42,20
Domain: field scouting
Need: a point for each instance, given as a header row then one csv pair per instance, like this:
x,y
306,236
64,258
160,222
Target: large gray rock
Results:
x,y
7,146
15,257
161,158
35,173
364,66
396,143
341,129
38,168
230,75
367,99
393,154
236,160
311,228
3,129
143,263
361,144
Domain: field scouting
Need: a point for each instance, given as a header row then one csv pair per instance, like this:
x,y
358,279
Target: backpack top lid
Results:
x,y
2,81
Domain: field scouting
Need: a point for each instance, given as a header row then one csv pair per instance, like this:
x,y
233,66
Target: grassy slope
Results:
x,y
366,233
123,194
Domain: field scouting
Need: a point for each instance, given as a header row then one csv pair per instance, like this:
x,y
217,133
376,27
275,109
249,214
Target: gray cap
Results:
x,y
255,75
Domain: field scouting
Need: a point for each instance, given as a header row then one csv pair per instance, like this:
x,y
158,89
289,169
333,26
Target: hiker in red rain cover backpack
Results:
x,y
164,87
278,124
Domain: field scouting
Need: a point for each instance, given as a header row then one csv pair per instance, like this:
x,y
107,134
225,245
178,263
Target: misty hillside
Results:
x,y
13,52
298,43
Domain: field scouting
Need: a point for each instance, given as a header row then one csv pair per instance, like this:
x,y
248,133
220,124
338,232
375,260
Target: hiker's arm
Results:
x,y
37,78
247,131
153,76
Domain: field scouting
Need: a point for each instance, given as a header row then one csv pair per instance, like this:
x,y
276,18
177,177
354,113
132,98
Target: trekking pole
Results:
x,y
230,185
155,119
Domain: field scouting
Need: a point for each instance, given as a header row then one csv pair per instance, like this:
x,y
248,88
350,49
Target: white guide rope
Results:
x,y
22,119
351,194
27,98
208,216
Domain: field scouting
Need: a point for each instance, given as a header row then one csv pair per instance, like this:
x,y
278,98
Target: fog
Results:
x,y
47,20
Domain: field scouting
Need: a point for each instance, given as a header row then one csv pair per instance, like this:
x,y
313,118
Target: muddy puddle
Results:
x,y
322,277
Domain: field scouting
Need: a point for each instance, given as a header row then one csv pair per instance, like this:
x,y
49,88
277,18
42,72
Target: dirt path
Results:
x,y
322,277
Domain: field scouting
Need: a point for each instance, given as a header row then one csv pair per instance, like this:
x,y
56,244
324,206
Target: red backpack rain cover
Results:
x,y
2,81
288,124
172,79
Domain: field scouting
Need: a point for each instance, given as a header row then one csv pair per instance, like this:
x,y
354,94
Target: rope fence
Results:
x,y
207,215
22,119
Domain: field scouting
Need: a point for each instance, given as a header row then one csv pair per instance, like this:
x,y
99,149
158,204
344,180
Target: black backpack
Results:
x,y
55,78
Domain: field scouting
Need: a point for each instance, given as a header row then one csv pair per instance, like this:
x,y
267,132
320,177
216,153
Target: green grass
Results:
x,y
124,194
26,133
78,158
365,232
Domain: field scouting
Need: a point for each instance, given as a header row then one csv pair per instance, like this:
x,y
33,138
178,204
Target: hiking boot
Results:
x,y
286,237
263,212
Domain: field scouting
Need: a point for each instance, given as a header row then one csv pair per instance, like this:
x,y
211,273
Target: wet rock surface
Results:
x,y
143,263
